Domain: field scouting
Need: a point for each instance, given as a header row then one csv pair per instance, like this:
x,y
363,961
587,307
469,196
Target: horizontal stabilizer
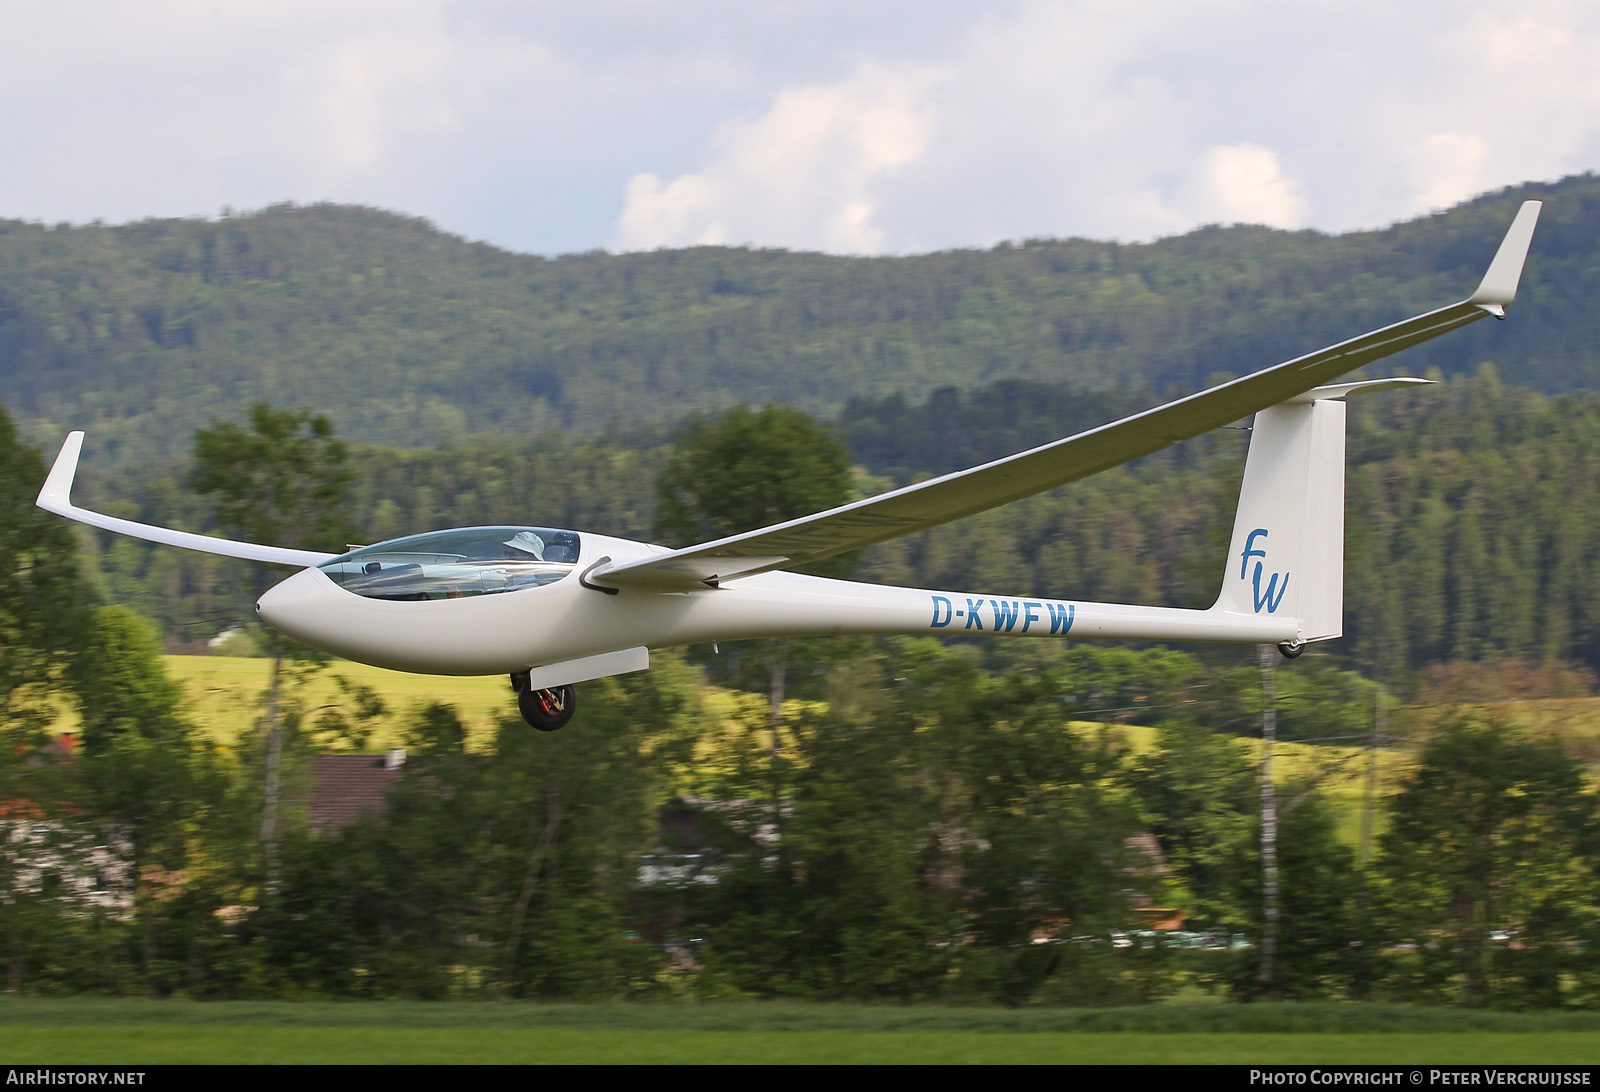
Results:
x,y
1345,390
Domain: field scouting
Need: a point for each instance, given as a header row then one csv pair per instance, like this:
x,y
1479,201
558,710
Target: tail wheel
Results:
x,y
547,709
1291,649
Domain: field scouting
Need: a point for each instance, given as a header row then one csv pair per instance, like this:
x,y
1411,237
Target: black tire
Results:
x,y
1292,649
547,710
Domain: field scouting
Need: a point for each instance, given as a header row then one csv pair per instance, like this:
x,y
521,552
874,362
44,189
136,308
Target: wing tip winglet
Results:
x,y
56,494
1499,284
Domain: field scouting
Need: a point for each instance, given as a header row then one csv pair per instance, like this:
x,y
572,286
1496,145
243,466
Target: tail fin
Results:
x,y
1287,553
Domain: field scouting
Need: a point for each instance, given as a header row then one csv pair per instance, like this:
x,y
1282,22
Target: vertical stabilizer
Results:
x,y
1286,558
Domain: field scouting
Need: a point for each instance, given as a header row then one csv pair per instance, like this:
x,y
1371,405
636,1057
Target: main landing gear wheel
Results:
x,y
1291,649
548,709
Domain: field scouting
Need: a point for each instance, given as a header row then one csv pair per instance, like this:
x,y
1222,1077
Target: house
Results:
x,y
88,865
345,788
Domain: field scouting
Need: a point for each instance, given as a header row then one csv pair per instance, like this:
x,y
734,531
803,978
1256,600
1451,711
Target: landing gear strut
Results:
x,y
1291,649
546,709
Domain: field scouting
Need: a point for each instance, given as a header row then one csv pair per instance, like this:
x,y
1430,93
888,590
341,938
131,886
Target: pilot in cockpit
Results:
x,y
524,546
528,546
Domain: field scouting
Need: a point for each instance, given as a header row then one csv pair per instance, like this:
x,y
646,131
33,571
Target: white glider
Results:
x,y
555,607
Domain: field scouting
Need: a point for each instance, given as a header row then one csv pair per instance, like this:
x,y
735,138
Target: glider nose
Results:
x,y
286,606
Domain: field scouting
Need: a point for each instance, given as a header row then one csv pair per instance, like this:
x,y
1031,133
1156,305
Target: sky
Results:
x,y
862,127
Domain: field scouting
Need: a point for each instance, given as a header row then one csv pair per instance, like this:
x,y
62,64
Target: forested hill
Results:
x,y
408,336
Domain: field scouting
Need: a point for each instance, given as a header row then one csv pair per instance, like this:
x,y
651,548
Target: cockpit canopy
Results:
x,y
455,564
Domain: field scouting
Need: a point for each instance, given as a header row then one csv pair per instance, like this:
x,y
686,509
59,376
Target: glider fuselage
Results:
x,y
456,632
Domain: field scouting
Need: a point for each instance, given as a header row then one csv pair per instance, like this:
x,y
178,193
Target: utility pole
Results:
x,y
1364,970
1372,786
1269,823
776,665
269,808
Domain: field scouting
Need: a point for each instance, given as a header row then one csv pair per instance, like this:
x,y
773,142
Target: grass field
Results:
x,y
36,1032
224,695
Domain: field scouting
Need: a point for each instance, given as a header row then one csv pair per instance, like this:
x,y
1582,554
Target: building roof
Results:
x,y
346,787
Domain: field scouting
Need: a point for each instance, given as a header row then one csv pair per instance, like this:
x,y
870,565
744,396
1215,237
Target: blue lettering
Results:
x,y
1004,612
1028,617
1061,615
973,621
940,623
1251,551
1269,600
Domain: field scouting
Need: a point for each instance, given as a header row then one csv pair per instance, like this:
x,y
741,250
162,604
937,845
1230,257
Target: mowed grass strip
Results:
x,y
169,1044
1294,1017
36,1031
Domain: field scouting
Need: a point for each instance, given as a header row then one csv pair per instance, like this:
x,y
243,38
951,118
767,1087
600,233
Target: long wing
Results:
x,y
940,500
56,496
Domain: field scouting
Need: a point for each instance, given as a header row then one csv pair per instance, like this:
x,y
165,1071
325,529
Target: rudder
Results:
x,y
1286,557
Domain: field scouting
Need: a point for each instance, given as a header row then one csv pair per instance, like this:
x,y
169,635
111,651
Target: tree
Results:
x,y
1318,943
137,761
746,470
435,731
282,481
44,616
502,873
1199,790
944,831
45,606
1490,868
121,686
570,816
845,908
1044,833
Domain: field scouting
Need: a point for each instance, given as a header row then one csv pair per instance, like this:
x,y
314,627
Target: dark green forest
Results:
x,y
409,337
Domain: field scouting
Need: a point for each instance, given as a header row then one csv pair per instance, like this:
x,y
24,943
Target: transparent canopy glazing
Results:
x,y
456,564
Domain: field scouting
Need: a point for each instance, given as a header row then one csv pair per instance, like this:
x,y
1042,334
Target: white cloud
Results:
x,y
1536,91
1243,184
801,175
677,213
1449,167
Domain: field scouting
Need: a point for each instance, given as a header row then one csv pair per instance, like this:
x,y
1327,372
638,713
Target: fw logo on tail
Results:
x,y
1274,594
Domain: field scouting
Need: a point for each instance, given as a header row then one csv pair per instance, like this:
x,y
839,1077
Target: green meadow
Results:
x,y
34,1032
225,694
